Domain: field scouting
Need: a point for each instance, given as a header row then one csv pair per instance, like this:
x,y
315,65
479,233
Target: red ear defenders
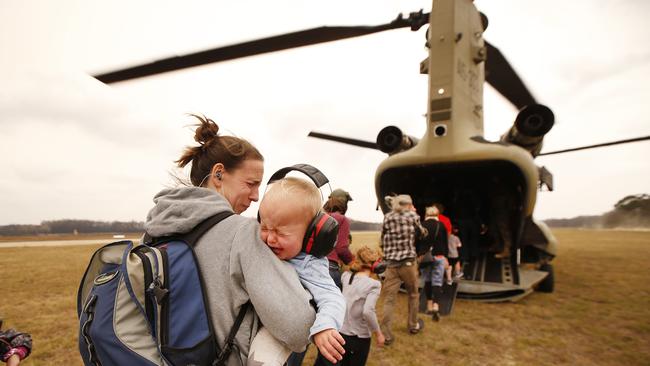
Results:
x,y
322,231
321,234
378,267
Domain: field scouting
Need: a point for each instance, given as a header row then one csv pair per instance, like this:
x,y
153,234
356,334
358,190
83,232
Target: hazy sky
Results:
x,y
72,147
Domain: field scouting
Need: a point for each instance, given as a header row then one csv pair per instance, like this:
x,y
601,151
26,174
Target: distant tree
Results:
x,y
631,211
637,202
72,226
18,230
364,226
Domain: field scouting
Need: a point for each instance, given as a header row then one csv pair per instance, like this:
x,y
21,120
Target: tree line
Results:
x,y
73,227
89,226
632,211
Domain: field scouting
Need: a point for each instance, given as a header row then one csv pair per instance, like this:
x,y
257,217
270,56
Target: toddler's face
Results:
x,y
282,228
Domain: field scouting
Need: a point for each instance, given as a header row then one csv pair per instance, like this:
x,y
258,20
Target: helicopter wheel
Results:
x,y
547,285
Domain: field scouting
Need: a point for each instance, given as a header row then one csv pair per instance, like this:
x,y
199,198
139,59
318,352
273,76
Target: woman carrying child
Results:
x,y
237,266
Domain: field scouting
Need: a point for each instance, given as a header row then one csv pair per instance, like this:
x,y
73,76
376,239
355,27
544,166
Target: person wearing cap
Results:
x,y
336,206
398,233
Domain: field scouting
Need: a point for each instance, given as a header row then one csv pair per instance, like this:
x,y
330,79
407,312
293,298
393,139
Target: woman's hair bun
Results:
x,y
206,131
230,151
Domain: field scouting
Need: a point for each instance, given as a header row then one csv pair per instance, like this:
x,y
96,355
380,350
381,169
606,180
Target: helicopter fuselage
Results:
x,y
487,188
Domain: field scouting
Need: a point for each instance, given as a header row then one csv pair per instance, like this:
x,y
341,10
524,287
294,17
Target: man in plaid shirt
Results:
x,y
398,234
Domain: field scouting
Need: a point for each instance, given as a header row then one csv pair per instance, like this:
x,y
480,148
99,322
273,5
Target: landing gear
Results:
x,y
548,284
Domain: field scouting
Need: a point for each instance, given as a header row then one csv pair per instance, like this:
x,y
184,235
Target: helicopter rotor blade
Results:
x,y
344,140
504,79
597,145
260,46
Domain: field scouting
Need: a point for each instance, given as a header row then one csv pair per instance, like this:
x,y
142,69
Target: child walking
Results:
x,y
361,292
454,262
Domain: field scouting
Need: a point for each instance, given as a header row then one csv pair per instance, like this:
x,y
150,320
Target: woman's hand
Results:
x,y
330,344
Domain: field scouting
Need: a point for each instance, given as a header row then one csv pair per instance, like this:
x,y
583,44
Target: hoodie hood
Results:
x,y
179,210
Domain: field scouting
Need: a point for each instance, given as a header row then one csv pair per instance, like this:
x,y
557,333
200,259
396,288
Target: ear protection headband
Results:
x,y
323,229
378,267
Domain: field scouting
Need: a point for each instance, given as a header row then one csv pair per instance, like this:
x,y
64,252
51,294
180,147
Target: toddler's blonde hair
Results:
x,y
297,190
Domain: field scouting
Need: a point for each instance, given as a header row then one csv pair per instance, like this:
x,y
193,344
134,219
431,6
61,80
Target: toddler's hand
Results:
x,y
380,338
330,344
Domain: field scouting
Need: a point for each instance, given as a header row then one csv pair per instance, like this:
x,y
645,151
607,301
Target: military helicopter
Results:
x,y
452,163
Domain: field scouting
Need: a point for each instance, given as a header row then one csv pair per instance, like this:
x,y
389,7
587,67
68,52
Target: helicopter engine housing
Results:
x,y
532,123
391,140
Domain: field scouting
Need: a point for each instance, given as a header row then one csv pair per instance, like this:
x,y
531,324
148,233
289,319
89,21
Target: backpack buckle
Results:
x,y
158,291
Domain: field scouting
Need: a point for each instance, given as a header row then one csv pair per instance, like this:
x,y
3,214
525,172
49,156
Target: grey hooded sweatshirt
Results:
x,y
237,267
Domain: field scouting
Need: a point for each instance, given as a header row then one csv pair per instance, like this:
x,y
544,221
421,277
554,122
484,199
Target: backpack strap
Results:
x,y
351,278
191,239
435,235
194,235
229,345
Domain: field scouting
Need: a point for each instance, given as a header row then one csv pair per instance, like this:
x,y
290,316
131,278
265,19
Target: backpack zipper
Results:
x,y
89,310
164,306
148,279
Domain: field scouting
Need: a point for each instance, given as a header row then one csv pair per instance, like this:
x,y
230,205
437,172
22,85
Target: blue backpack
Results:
x,y
145,304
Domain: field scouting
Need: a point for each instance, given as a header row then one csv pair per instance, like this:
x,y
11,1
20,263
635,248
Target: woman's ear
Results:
x,y
216,175
217,171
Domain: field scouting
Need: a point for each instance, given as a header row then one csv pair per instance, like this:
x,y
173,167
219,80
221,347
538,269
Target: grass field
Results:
x,y
50,237
599,313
